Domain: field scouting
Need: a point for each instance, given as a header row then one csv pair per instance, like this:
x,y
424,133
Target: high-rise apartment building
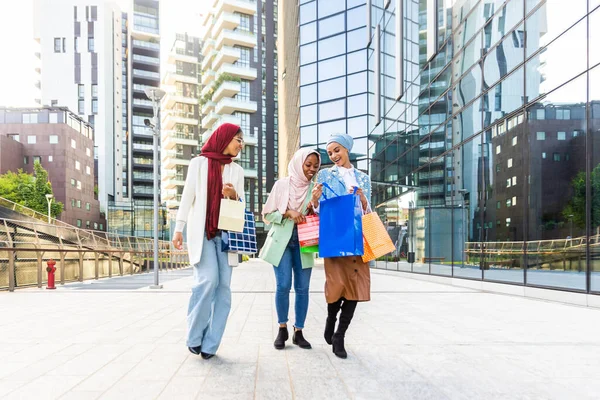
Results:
x,y
239,85
97,58
479,136
180,117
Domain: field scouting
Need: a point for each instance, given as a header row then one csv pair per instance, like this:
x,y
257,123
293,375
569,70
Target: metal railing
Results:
x,y
25,248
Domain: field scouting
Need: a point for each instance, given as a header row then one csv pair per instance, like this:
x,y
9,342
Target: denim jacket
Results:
x,y
334,179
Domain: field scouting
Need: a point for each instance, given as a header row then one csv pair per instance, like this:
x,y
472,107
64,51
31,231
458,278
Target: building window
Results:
x,y
540,114
57,45
515,140
76,44
94,91
498,205
95,106
79,223
544,155
101,227
79,185
95,225
508,181
31,139
14,137
514,180
53,139
87,224
514,201
541,136
510,163
563,114
50,158
88,206
88,170
498,168
72,182
78,203
54,118
77,165
507,222
73,203
556,156
81,91
561,135
91,45
577,133
508,203
73,143
29,118
498,149
37,159
25,160
81,107
88,152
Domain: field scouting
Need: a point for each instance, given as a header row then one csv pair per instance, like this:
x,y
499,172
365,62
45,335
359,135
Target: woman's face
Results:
x,y
235,146
338,154
310,166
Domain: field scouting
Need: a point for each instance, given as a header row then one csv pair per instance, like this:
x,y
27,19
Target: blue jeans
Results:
x,y
210,302
283,274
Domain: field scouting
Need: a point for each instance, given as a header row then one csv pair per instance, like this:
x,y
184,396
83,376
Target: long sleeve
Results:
x,y
189,194
274,218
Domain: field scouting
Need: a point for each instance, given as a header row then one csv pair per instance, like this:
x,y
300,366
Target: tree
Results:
x,y
576,206
30,190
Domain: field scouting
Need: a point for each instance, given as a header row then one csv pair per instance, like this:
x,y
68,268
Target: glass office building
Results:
x,y
482,136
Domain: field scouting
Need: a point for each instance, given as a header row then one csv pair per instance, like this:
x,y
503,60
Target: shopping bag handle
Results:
x,y
333,191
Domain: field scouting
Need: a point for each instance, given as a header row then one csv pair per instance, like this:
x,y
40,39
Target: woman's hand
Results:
x,y
295,216
178,240
317,192
229,191
363,199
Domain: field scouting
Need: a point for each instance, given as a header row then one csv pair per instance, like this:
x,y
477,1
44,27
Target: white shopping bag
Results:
x,y
231,215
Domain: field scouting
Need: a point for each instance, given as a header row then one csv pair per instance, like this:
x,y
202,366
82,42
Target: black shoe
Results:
x,y
195,350
329,329
206,356
338,346
298,340
282,336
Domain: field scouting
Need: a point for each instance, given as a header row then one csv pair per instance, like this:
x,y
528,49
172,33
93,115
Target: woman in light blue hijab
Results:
x,y
347,279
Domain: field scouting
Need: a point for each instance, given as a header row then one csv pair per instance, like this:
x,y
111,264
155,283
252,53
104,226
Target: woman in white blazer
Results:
x,y
211,176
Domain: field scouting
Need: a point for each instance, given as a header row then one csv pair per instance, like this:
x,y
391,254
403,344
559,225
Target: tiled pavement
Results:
x,y
414,340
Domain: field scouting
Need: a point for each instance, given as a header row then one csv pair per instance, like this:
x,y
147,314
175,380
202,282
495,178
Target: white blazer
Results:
x,y
193,201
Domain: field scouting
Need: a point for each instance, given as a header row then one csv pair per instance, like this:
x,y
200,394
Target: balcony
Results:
x,y
173,117
171,181
208,46
241,6
172,138
172,76
242,72
171,159
226,89
178,54
250,139
207,77
226,20
206,63
229,106
209,120
232,119
208,107
227,54
173,202
206,89
172,98
250,173
232,38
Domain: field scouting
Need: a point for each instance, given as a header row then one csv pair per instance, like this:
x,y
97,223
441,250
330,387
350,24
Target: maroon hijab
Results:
x,y
213,150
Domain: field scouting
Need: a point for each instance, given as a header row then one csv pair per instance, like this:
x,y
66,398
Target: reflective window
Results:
x,y
332,68
357,127
329,128
308,135
308,94
331,26
357,39
308,33
308,12
577,203
308,74
332,89
357,61
357,83
332,46
332,110
308,53
328,7
357,105
308,115
356,18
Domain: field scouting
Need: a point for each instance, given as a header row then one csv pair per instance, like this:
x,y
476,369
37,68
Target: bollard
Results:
x,y
51,269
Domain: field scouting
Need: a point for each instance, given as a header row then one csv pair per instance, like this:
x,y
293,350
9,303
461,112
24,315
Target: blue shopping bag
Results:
x,y
340,228
241,242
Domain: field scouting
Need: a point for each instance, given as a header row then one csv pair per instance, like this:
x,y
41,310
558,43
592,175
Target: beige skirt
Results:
x,y
347,277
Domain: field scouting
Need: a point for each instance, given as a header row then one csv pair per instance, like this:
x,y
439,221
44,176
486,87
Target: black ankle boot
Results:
x,y
346,316
282,336
298,340
195,350
332,310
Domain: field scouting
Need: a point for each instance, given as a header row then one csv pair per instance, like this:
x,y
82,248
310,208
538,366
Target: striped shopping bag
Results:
x,y
377,241
308,234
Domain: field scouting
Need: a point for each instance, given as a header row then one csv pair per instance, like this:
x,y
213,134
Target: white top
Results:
x,y
193,201
349,177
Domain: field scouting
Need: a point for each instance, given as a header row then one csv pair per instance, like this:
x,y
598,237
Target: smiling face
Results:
x,y
235,146
310,166
338,154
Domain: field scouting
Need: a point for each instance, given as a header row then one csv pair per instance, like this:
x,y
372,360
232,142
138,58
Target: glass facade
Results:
x,y
481,136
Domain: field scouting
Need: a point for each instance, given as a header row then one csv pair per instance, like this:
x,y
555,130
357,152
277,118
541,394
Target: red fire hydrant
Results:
x,y
51,269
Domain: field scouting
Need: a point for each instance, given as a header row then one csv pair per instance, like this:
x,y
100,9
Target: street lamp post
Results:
x,y
49,198
155,94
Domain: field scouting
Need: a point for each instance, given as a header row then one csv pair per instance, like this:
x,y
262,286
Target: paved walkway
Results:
x,y
414,340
